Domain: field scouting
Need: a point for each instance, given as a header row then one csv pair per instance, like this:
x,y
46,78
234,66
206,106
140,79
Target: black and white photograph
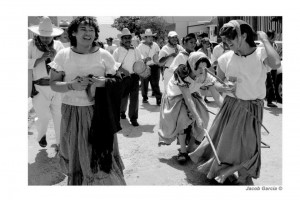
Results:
x,y
145,100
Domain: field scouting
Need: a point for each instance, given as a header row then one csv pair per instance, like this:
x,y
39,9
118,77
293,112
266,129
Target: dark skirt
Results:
x,y
75,150
236,136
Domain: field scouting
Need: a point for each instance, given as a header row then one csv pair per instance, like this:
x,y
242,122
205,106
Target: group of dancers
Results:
x,y
230,149
95,86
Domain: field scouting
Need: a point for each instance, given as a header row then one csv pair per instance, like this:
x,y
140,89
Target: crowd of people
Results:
x,y
86,86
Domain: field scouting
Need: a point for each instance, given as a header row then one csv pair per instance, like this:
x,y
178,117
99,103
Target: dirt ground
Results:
x,y
145,162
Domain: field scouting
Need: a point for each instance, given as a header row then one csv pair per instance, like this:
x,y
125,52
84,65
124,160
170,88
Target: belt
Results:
x,y
42,82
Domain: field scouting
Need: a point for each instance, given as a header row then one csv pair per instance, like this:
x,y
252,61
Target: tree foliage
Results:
x,y
138,24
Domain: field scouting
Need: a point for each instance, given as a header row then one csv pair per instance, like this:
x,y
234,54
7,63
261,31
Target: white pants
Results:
x,y
45,104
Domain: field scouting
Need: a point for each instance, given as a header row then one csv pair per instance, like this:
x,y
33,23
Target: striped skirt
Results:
x,y
235,134
75,150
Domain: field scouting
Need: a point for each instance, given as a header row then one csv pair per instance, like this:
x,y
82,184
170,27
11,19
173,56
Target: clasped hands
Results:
x,y
81,83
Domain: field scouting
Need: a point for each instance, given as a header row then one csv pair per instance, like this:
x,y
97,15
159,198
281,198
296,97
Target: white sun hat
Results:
x,y
124,32
46,28
148,32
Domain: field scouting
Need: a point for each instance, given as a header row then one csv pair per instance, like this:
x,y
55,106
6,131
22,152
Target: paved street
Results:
x,y
148,164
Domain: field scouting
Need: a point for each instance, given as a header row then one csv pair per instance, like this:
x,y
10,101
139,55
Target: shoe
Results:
x,y
158,101
123,116
182,157
145,101
271,105
43,142
134,123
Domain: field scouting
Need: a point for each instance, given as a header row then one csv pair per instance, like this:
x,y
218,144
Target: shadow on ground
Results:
x,y
274,111
193,176
45,170
130,131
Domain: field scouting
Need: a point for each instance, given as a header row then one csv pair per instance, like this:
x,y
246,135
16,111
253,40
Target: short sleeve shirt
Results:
x,y
167,50
99,63
250,72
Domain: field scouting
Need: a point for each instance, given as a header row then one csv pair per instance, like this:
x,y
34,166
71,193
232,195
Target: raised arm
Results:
x,y
273,59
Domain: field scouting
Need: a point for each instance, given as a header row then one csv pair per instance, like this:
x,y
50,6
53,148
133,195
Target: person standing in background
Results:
x,y
167,55
46,103
110,47
127,55
272,75
149,49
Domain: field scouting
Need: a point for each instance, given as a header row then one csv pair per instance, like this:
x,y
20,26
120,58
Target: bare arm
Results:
x,y
216,95
273,59
191,105
163,60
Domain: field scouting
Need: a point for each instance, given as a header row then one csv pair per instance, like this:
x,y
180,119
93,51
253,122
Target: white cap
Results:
x,y
172,34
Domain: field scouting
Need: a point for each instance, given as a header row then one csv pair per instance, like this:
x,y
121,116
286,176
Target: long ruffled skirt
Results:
x,y
175,118
236,136
75,150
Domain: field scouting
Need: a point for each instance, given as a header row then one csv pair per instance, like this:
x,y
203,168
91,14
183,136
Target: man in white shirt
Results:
x,y
110,47
127,55
41,51
167,55
149,50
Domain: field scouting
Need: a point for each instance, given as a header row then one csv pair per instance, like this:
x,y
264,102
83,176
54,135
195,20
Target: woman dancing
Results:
x,y
183,106
235,131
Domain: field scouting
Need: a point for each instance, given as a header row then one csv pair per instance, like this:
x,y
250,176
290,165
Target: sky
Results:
x,y
106,19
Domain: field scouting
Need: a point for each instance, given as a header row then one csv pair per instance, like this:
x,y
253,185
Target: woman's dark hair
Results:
x,y
188,37
271,34
73,28
231,33
202,59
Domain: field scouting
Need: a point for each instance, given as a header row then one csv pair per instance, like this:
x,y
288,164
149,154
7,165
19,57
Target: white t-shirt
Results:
x,y
181,58
217,52
127,57
148,51
167,50
74,64
250,71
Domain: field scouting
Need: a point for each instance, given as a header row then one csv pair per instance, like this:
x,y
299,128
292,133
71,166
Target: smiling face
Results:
x,y
85,35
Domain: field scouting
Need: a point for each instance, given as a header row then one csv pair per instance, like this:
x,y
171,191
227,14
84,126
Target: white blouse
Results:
x,y
73,64
250,72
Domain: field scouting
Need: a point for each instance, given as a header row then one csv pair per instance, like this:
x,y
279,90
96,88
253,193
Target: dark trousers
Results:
x,y
154,81
130,89
270,85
